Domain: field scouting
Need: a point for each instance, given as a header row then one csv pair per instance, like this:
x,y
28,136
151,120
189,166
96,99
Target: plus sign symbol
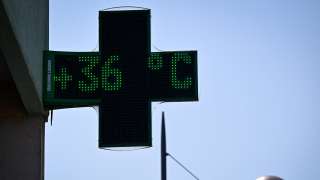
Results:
x,y
123,78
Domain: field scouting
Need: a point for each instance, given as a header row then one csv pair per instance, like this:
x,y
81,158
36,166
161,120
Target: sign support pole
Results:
x,y
163,150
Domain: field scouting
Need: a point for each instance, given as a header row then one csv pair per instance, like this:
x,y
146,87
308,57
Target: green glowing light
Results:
x,y
175,82
63,78
107,72
87,71
155,61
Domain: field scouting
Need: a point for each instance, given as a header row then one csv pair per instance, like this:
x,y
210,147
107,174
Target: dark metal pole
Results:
x,y
163,150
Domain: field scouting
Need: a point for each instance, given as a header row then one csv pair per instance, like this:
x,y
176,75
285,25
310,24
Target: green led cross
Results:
x,y
63,78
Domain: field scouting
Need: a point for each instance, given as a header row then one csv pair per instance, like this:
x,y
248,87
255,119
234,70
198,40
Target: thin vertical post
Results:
x,y
163,150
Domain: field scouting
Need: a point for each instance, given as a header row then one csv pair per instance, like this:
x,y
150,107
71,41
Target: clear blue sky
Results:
x,y
259,88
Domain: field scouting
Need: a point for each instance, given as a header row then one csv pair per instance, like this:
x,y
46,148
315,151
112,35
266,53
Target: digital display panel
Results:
x,y
65,73
173,76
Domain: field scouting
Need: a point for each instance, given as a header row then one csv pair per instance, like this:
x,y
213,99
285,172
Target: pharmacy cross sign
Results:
x,y
123,78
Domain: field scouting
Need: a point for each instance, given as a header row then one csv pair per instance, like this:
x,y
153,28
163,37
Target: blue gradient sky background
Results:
x,y
259,84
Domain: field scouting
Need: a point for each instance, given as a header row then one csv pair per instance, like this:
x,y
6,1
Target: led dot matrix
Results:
x,y
85,76
111,77
63,78
175,82
155,61
92,62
